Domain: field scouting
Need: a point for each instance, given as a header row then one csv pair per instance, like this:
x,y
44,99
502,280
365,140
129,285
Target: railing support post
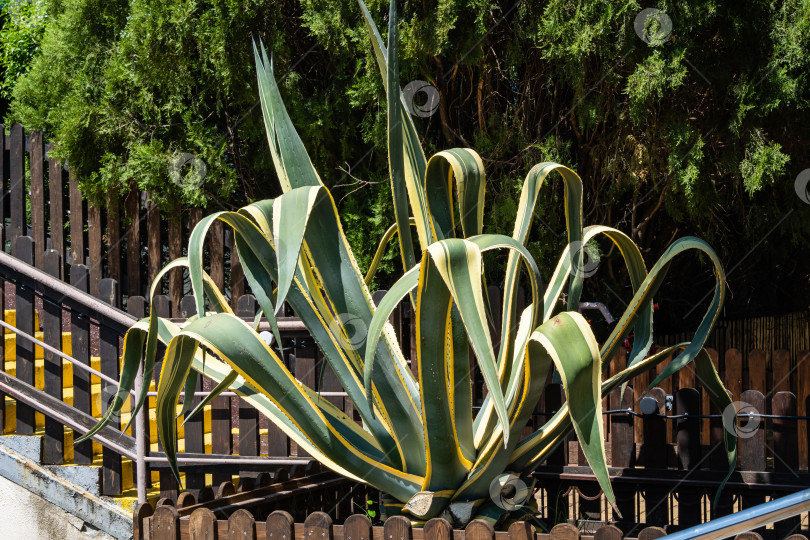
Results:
x,y
140,441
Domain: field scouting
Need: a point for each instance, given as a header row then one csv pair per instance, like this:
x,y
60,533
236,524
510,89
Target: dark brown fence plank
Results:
x,y
76,219
623,449
142,511
397,528
94,227
111,480
356,527
640,383
221,432
686,379
53,442
280,525
113,238
36,158
479,529
193,428
278,444
216,248
237,276
319,525
168,483
554,396
3,195
24,250
651,533
733,373
132,207
202,525
785,446
16,191
175,251
564,531
709,426
687,401
802,396
519,530
248,416
241,526
654,455
185,500
781,371
757,365
440,529
153,245
608,532
751,432
80,344
136,306
164,524
751,437
305,372
56,222
225,489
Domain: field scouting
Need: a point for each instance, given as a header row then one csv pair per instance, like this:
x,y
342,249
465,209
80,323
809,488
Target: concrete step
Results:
x,y
76,489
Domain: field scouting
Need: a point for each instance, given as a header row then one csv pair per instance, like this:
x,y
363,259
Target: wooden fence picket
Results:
x,y
51,318
24,250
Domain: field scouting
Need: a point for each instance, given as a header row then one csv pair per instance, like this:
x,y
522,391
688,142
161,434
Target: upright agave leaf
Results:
x,y
420,440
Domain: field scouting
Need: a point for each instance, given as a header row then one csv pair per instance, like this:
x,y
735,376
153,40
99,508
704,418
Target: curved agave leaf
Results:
x,y
234,342
134,349
463,165
291,214
575,352
637,271
219,372
381,247
173,374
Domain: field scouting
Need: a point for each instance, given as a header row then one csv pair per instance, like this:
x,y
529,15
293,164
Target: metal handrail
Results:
x,y
748,519
77,300
74,300
81,365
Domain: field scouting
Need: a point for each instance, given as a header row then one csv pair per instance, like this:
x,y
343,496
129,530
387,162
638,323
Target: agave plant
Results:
x,y
421,442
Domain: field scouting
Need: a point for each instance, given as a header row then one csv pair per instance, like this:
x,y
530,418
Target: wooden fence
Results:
x,y
788,331
262,514
41,199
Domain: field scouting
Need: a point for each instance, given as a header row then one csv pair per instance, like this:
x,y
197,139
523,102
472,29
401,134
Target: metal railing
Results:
x,y
748,519
77,302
